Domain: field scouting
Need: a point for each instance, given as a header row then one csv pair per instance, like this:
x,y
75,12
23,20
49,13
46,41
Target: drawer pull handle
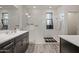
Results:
x,y
7,46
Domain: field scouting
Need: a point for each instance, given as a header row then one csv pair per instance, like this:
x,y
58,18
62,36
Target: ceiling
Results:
x,y
42,6
12,7
7,7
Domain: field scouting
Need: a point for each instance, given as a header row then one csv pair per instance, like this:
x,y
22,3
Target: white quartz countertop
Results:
x,y
5,36
74,39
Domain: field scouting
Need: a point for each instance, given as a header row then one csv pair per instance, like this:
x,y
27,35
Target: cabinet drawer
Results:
x,y
67,47
6,51
8,48
6,43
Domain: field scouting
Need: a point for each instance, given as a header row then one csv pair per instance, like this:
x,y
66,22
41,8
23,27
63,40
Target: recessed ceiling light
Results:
x,y
50,7
34,6
0,7
26,14
15,6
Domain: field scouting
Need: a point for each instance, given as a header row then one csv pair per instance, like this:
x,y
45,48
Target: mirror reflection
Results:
x,y
4,20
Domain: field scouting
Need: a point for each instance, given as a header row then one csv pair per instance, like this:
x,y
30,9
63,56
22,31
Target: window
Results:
x,y
49,21
4,20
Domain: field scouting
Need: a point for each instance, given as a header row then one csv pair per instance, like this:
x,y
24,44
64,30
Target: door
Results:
x,y
73,18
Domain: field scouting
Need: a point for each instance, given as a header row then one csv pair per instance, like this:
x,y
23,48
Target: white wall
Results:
x,y
78,25
72,23
13,19
16,17
62,17
22,19
66,9
38,17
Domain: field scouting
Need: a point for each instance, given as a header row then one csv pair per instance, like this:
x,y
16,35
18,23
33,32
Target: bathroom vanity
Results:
x,y
15,42
69,43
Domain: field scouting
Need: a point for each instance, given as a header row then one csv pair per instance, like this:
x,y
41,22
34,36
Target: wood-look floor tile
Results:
x,y
43,48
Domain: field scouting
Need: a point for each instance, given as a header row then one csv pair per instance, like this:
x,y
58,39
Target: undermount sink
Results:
x,y
9,31
8,34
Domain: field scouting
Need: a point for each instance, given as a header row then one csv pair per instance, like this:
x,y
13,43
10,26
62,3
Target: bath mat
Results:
x,y
49,39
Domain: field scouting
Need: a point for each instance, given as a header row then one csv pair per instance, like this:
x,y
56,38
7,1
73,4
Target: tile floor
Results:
x,y
37,43
43,48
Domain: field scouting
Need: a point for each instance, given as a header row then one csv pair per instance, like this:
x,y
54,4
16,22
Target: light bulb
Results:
x,y
50,7
34,6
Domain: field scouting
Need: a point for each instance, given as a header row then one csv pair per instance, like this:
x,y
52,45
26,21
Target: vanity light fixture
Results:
x,y
34,6
50,7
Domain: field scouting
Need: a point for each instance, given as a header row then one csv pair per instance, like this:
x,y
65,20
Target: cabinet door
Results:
x,y
7,47
10,50
25,44
67,47
21,43
18,47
